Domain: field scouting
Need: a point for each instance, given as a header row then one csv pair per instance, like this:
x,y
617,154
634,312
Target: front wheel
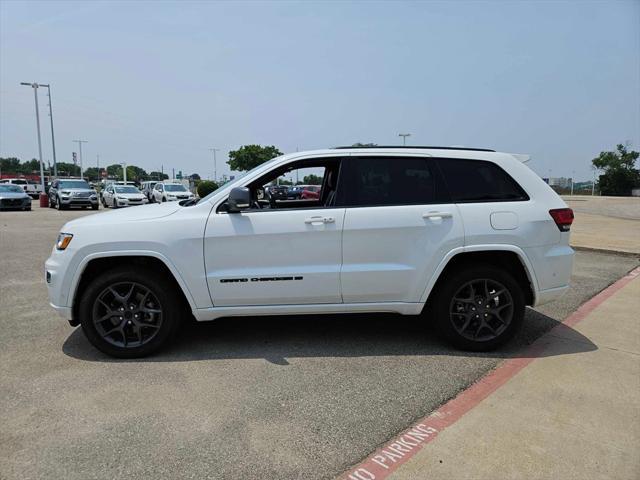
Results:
x,y
130,312
479,307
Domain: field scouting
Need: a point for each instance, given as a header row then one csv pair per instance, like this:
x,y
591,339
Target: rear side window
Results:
x,y
479,181
381,181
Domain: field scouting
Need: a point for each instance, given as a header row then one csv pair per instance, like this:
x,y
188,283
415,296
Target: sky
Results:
x,y
157,84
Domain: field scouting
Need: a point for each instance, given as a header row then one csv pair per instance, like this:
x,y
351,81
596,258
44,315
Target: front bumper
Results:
x,y
14,203
131,203
79,201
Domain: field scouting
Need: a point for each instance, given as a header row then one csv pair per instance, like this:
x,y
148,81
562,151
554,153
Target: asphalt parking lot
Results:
x,y
277,397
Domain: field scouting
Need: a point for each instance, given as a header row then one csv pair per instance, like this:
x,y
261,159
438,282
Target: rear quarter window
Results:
x,y
479,181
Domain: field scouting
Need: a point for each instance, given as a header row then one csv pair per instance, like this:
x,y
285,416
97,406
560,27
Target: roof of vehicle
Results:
x,y
420,147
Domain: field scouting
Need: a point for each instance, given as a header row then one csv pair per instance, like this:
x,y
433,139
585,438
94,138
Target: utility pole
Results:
x,y
215,164
35,95
573,173
98,165
593,184
404,138
80,142
124,172
53,138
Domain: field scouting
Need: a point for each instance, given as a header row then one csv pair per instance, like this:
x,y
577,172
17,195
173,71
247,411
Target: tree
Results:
x,y
194,176
158,176
205,187
10,165
312,179
68,170
250,156
92,173
620,174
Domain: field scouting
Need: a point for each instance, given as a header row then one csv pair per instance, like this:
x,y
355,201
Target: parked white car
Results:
x,y
465,238
116,195
171,192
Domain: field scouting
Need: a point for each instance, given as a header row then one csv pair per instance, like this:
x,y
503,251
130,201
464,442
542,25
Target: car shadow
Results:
x,y
276,338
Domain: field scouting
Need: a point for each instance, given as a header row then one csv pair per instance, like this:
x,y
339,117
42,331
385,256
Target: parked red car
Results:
x,y
311,193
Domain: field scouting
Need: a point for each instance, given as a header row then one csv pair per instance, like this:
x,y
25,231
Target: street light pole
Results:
x,y
80,142
53,138
35,95
404,138
215,164
573,173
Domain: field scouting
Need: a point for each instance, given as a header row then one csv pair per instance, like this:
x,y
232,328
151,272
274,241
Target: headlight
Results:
x,y
65,192
64,239
121,198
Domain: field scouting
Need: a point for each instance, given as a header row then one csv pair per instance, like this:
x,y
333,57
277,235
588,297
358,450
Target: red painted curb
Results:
x,y
404,446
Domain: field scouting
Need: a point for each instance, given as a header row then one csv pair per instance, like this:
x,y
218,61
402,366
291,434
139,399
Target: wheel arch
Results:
x,y
99,263
509,257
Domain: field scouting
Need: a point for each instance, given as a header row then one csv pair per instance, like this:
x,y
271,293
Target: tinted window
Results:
x,y
391,181
479,181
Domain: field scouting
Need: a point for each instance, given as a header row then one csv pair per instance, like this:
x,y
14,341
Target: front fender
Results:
x,y
74,279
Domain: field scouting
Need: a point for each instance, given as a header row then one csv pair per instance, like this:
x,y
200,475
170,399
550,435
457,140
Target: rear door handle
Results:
x,y
437,215
318,220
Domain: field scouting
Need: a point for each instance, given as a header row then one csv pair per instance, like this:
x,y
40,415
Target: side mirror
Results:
x,y
239,199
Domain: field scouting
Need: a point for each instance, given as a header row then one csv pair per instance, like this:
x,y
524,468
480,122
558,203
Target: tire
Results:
x,y
154,331
51,204
59,204
95,207
115,205
164,199
470,318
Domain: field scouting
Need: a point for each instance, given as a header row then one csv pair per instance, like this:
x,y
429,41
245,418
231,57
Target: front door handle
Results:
x,y
437,215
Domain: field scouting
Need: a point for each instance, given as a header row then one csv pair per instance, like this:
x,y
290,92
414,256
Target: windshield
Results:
x,y
10,188
74,184
174,188
126,189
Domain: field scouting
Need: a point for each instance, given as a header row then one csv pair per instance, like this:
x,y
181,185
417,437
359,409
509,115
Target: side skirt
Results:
x,y
205,314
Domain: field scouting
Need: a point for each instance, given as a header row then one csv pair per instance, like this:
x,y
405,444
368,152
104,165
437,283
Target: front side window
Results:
x,y
479,181
383,181
304,184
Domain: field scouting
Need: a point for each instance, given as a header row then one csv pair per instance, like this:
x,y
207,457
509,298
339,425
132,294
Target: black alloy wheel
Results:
x,y
481,310
131,311
127,315
477,307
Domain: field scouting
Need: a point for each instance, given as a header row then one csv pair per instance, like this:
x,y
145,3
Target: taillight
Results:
x,y
563,218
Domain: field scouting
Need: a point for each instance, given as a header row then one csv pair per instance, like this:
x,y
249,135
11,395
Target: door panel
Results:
x,y
390,252
274,257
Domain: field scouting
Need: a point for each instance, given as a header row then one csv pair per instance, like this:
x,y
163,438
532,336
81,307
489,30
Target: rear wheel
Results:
x,y
479,307
130,312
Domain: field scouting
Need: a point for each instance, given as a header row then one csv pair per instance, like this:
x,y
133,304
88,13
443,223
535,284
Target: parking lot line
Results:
x,y
381,463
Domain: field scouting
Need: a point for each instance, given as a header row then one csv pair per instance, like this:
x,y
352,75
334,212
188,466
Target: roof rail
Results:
x,y
419,147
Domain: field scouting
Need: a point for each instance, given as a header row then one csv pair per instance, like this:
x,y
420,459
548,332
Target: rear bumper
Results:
x,y
546,296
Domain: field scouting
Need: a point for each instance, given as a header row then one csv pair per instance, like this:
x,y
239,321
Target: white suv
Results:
x,y
170,192
466,238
